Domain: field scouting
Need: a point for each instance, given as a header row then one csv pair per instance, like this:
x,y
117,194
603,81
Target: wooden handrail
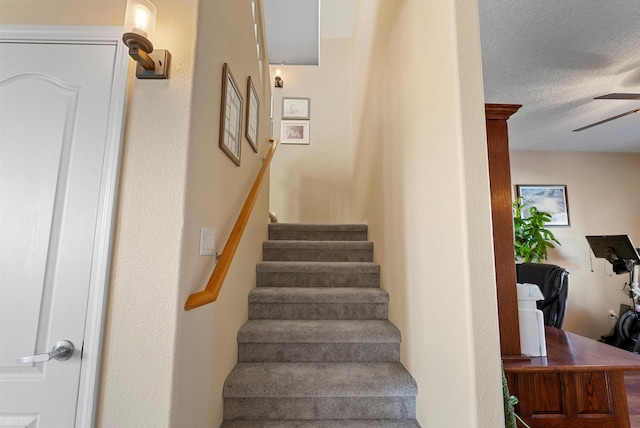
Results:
x,y
211,291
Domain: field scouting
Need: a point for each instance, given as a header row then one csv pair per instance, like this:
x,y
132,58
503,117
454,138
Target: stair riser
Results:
x,y
317,279
313,235
317,255
318,352
318,311
409,423
317,408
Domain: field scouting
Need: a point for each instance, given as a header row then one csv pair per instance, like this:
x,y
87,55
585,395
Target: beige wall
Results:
x,y
138,370
216,189
163,366
421,182
313,183
62,12
602,191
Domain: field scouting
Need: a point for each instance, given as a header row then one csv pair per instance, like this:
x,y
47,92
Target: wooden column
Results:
x,y
502,218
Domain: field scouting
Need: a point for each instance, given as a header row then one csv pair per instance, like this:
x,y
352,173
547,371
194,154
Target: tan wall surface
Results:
x,y
313,183
62,12
421,182
216,190
139,365
602,193
174,179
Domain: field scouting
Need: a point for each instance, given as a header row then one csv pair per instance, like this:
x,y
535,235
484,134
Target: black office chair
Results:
x,y
554,284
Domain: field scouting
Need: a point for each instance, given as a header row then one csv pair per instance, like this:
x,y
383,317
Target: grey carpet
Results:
x,y
317,274
408,423
318,350
318,232
318,251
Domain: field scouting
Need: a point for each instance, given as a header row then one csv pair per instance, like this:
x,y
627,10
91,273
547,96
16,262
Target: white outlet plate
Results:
x,y
207,242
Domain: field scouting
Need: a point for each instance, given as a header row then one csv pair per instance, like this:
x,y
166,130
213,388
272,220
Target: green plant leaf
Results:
x,y
532,239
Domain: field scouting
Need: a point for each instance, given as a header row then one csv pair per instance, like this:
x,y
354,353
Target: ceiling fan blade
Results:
x,y
607,120
619,96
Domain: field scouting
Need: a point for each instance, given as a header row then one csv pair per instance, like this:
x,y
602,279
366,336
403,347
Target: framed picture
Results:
x,y
294,132
230,116
296,108
253,109
549,198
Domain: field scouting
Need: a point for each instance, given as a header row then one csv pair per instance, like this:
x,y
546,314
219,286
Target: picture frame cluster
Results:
x,y
232,115
295,124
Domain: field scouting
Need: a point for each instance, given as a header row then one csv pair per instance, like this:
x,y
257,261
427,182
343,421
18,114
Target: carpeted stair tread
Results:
x,y
319,408
318,350
317,295
326,352
318,303
318,341
322,251
319,245
317,267
317,331
354,227
317,274
318,232
409,423
323,380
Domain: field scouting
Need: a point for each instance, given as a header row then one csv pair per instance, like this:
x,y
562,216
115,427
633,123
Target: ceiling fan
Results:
x,y
618,96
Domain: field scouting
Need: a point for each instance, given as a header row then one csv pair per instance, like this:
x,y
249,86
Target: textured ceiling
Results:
x,y
554,57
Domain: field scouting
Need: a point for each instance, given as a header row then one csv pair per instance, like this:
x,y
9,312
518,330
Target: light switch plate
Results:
x,y
207,242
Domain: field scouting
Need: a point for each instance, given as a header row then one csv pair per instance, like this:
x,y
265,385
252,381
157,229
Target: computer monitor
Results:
x,y
619,246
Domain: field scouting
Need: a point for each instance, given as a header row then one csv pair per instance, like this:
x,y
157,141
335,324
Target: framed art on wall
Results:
x,y
253,110
296,108
294,132
549,198
230,116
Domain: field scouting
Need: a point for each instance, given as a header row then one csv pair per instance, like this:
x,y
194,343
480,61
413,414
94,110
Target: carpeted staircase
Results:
x,y
318,349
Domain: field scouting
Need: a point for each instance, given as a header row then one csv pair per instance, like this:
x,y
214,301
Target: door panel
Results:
x,y
28,229
54,116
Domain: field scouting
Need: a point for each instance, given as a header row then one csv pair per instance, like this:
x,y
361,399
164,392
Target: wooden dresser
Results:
x,y
580,384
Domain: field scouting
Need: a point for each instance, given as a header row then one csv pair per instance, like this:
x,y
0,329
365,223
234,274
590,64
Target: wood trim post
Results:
x,y
502,219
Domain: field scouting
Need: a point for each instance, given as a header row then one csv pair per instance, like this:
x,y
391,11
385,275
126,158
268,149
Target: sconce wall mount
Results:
x,y
140,20
278,83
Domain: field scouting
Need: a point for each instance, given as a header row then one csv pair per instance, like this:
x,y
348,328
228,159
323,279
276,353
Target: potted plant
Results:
x,y
532,238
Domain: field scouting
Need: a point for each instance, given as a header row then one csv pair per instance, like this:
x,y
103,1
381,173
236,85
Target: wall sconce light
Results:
x,y
279,83
139,28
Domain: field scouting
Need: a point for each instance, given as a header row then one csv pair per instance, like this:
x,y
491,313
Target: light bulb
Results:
x,y
142,20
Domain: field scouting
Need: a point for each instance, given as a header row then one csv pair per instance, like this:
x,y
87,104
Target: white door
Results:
x,y
59,148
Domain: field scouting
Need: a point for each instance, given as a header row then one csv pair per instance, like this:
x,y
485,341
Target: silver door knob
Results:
x,y
61,351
